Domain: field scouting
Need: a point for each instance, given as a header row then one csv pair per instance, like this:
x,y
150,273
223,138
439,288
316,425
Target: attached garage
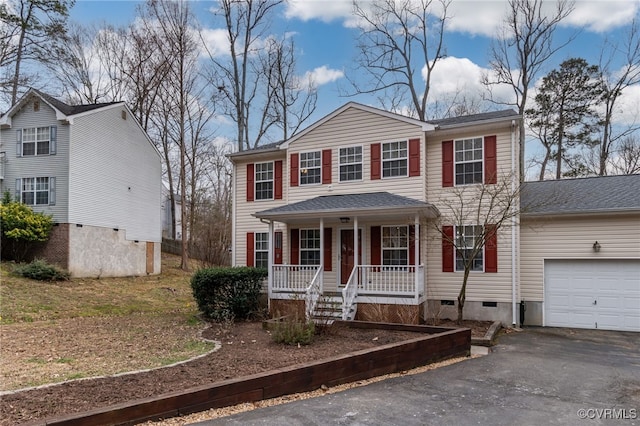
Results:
x,y
594,293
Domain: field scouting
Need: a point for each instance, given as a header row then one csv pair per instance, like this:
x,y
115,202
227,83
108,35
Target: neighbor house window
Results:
x,y
309,246
261,250
310,167
394,159
36,141
395,245
264,181
468,161
350,163
466,239
35,191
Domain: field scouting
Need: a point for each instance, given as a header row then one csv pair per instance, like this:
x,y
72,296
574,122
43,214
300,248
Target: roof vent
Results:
x,y
123,114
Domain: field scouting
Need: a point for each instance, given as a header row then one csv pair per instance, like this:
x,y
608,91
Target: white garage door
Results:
x,y
602,294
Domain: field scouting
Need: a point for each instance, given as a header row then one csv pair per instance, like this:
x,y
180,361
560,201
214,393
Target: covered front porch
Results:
x,y
349,249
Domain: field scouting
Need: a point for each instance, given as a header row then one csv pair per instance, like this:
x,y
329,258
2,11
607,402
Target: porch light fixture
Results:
x,y
344,220
596,246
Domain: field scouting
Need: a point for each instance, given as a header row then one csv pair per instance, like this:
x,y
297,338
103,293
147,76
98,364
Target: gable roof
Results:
x,y
604,194
475,118
325,206
63,110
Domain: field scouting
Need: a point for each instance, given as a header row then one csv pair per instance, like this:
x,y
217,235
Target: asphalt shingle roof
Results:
x,y
585,195
71,109
463,119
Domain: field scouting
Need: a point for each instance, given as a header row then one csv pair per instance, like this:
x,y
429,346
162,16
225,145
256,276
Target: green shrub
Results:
x,y
224,294
21,228
293,331
41,271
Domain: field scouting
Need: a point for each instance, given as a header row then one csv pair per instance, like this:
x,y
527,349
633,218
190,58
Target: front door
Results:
x,y
347,253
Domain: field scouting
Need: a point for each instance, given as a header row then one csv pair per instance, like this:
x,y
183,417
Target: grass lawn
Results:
x,y
55,331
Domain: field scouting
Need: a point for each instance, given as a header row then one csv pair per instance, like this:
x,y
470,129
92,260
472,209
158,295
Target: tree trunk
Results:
x,y
462,296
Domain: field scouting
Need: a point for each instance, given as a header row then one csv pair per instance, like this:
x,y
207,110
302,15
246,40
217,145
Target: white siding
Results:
x,y
115,176
573,238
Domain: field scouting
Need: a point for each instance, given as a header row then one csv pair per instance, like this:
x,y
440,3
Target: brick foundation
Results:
x,y
56,249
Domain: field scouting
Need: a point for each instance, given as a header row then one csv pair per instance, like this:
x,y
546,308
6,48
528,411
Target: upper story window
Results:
x,y
468,161
395,245
394,159
36,141
35,191
466,237
264,181
350,163
310,167
261,250
309,246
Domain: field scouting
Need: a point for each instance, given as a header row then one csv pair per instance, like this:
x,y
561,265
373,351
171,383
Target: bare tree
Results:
x,y
626,159
518,55
614,82
399,46
38,26
471,216
237,76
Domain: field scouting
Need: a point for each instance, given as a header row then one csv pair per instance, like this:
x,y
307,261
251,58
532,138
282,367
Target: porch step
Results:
x,y
328,309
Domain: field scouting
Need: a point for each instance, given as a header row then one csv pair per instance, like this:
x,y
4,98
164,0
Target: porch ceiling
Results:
x,y
376,204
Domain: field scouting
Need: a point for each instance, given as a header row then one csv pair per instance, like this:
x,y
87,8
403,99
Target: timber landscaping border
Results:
x,y
438,344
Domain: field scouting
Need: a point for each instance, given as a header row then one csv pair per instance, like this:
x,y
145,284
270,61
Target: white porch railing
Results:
x,y
391,280
349,295
313,293
292,278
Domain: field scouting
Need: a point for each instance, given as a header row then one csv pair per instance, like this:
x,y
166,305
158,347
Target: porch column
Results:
x,y
321,254
271,240
416,247
355,242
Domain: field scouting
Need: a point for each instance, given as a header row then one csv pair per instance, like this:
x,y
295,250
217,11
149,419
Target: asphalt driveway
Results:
x,y
534,377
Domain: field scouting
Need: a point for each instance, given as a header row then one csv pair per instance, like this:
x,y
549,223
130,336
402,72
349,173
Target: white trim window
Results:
x,y
261,250
395,159
309,246
468,161
351,163
264,181
466,237
36,191
36,141
395,245
310,171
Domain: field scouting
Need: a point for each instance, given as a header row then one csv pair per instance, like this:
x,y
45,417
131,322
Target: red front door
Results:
x,y
347,253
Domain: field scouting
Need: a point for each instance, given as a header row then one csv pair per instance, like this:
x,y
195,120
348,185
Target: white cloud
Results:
x,y
215,40
324,10
323,75
601,16
628,110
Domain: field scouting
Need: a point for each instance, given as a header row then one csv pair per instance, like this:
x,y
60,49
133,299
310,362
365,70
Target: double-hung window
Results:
x,y
264,181
261,250
309,246
468,161
36,141
395,245
394,159
310,163
350,163
466,239
34,191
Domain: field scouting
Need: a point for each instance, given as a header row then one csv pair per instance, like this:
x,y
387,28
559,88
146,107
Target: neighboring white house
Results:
x,y
298,206
95,170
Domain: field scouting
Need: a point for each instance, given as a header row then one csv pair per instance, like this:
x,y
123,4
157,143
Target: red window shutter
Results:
x,y
448,257
328,261
277,248
326,166
414,157
277,180
490,162
250,249
376,245
376,167
447,163
250,182
294,248
491,249
295,164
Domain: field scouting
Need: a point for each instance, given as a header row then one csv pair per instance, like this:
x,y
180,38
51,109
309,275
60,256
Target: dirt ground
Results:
x,y
245,349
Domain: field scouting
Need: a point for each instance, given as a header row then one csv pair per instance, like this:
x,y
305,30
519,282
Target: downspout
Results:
x,y
513,227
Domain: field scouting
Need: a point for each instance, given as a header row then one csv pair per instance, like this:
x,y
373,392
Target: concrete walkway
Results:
x,y
534,377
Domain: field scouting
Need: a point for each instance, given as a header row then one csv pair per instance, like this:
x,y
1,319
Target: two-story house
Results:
x,y
95,170
364,172
361,208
